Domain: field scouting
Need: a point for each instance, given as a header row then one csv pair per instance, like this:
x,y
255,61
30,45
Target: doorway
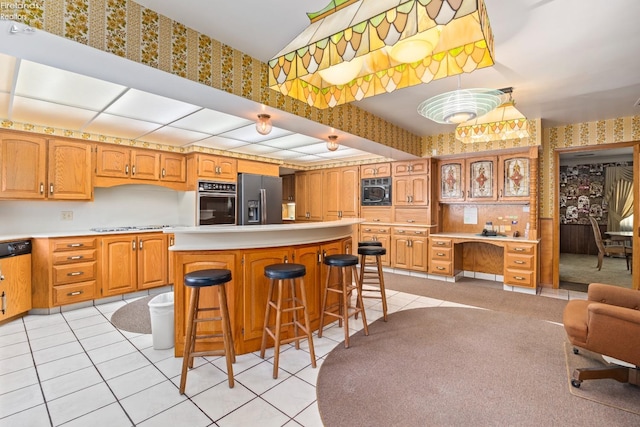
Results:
x,y
580,194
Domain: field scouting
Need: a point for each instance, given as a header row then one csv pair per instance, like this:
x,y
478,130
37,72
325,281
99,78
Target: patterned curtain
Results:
x,y
619,195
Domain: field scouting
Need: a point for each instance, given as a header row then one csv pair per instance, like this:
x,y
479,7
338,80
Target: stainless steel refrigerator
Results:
x,y
259,199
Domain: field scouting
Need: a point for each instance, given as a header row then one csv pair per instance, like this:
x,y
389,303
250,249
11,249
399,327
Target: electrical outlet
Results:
x,y
66,215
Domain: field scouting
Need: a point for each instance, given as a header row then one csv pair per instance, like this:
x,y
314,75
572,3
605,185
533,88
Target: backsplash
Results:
x,y
115,206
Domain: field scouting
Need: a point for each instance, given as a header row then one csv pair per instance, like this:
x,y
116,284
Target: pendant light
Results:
x,y
332,142
263,125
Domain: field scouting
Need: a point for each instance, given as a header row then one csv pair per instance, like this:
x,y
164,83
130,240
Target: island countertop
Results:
x,y
221,237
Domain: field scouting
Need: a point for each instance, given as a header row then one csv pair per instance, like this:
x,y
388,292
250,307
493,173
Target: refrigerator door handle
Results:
x,y
263,206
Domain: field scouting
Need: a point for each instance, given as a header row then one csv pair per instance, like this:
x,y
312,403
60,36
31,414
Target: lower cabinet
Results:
x,y
380,234
409,248
441,257
132,262
520,264
15,286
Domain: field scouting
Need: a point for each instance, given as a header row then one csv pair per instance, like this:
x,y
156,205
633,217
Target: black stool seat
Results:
x,y
341,260
211,277
285,271
370,243
371,250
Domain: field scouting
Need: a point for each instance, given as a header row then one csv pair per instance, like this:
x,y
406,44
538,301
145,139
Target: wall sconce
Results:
x,y
332,143
263,125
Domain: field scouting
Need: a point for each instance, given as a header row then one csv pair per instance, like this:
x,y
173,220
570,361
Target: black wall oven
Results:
x,y
216,203
376,191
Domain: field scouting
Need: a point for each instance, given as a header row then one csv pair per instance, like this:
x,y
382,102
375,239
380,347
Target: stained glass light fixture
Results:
x,y
383,45
505,122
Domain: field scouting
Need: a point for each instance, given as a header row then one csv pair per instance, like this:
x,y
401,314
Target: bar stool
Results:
x,y
279,273
197,280
344,263
370,276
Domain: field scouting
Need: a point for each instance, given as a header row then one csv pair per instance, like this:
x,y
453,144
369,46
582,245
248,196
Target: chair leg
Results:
x,y
344,308
276,348
383,293
324,303
189,339
307,323
600,258
267,312
364,316
226,334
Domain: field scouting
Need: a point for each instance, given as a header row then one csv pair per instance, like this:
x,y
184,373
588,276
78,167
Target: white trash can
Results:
x,y
162,329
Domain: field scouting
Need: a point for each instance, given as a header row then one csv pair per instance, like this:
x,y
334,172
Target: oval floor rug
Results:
x,y
450,366
134,316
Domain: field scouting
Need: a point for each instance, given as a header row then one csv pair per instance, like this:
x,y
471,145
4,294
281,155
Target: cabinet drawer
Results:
x,y
441,254
77,292
60,258
375,229
440,267
412,216
377,214
524,262
73,273
74,244
440,243
522,248
519,278
410,231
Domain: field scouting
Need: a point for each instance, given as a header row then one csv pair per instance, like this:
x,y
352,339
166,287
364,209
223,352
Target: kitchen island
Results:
x,y
246,250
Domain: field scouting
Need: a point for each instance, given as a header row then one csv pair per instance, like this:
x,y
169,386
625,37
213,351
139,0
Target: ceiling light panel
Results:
x,y
7,68
211,122
120,127
292,141
172,136
154,108
249,134
5,100
221,143
317,148
343,153
309,158
285,155
46,83
44,113
254,149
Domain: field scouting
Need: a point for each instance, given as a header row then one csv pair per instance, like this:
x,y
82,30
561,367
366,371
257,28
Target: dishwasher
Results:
x,y
15,278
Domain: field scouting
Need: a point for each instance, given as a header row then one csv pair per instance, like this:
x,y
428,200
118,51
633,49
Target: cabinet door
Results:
x,y
481,176
15,285
207,166
173,167
401,191
302,196
22,167
349,192
419,190
69,170
410,168
118,264
256,288
288,188
419,254
145,164
113,161
452,185
227,169
375,170
331,194
310,257
401,256
514,178
315,199
152,260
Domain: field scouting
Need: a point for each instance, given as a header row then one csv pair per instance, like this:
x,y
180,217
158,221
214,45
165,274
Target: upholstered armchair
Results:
x,y
608,323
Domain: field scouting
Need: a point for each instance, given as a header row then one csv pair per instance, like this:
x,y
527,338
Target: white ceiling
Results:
x,y
568,61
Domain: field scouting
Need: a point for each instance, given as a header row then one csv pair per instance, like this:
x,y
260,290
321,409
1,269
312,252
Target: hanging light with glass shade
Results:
x,y
505,122
332,142
263,125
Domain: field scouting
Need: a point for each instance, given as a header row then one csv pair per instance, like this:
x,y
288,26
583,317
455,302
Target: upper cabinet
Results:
x,y
452,180
173,167
309,195
341,193
210,167
415,167
481,178
116,163
514,173
33,168
375,170
410,183
288,188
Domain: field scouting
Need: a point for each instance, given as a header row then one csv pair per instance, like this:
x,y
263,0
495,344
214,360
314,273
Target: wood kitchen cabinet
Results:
x,y
378,233
520,264
452,174
414,167
34,168
411,190
514,177
210,167
375,170
65,270
173,167
441,256
15,286
472,179
340,193
409,248
133,262
309,195
288,188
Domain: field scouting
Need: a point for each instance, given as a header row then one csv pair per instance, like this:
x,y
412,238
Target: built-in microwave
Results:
x,y
376,191
216,203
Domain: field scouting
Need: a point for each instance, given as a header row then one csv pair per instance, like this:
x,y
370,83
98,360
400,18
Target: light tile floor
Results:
x,y
75,369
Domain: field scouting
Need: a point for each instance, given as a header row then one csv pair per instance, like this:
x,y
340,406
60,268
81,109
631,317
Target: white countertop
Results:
x,y
70,233
480,237
216,237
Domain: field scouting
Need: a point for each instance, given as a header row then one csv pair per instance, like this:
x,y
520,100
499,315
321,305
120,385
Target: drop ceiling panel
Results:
x,y
345,152
154,108
122,127
221,143
212,122
316,148
39,81
5,100
7,68
173,136
308,158
291,141
49,114
285,155
250,134
258,149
